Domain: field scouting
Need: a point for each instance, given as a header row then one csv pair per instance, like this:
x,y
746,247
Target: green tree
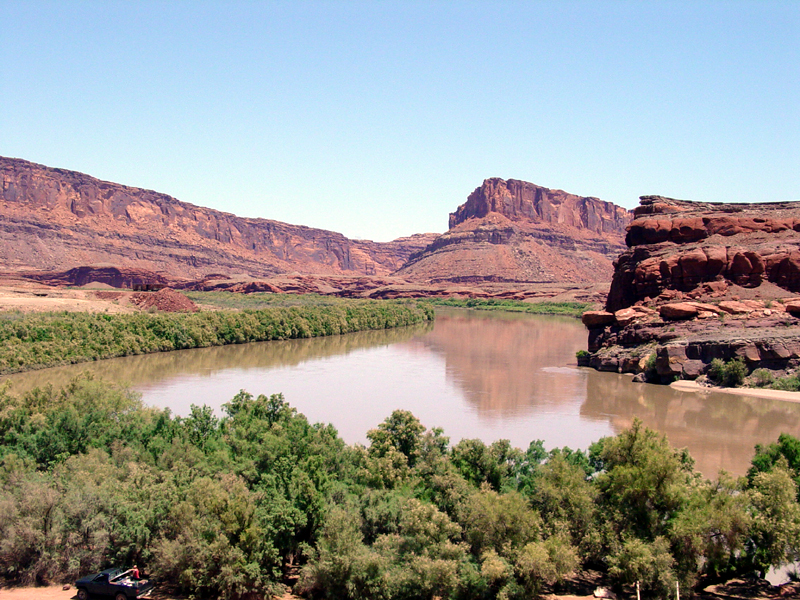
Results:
x,y
644,483
402,432
775,533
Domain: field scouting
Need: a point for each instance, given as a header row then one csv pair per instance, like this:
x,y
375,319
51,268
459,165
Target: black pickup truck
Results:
x,y
113,582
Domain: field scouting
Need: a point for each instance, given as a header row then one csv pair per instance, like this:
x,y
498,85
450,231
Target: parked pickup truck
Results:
x,y
113,582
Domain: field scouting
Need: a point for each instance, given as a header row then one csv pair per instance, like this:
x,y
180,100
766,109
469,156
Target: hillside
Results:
x,y
54,220
515,231
62,227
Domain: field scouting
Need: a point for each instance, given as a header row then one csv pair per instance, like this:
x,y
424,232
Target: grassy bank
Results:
x,y
569,309
35,341
258,300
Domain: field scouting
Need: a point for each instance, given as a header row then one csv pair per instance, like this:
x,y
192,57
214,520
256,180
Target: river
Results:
x,y
475,374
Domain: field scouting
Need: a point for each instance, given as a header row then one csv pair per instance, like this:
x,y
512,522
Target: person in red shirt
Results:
x,y
135,572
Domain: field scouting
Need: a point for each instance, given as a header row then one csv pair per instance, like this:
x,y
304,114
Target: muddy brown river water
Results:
x,y
475,374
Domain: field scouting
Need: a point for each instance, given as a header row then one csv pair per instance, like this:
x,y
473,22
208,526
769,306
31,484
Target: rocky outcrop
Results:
x,y
135,279
523,201
54,219
517,231
676,245
699,282
680,340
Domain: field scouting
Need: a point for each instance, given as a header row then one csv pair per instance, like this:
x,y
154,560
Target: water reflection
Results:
x,y
720,430
149,370
509,365
476,374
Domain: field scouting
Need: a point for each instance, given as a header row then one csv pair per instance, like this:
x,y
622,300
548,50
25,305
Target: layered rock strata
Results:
x,y
517,231
54,219
680,245
701,281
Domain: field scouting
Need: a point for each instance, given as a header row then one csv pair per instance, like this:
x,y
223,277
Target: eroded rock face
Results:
x,y
677,245
134,279
517,231
523,201
54,219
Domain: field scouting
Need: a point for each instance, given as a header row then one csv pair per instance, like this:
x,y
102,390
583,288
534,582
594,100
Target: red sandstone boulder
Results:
x,y
678,310
690,229
702,306
626,316
793,308
597,318
732,307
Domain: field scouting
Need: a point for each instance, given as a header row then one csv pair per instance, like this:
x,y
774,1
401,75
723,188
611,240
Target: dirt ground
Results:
x,y
30,297
693,386
34,297
733,590
55,592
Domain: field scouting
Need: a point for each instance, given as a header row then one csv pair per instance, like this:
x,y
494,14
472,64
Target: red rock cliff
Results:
x,y
680,245
56,219
523,201
517,231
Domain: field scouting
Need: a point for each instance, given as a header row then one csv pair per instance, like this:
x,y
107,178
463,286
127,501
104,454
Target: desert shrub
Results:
x,y
728,374
220,504
650,372
789,384
569,309
762,378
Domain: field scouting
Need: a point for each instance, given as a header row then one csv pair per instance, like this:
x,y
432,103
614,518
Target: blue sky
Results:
x,y
377,119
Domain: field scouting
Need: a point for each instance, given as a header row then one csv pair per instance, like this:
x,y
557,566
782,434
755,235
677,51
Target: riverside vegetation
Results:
x,y
34,341
546,307
222,506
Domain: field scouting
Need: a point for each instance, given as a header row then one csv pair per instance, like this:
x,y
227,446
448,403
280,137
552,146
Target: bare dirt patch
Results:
x,y
166,300
49,299
28,297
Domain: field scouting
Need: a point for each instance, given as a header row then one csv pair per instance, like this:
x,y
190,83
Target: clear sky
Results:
x,y
377,119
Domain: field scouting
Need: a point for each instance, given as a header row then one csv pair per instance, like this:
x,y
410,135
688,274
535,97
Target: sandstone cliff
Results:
x,y
680,245
517,231
702,281
54,219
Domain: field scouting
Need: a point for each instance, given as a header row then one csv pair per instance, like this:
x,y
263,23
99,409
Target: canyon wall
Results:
x,y
702,281
55,219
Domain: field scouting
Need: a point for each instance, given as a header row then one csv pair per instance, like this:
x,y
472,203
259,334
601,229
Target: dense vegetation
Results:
x,y
32,341
89,478
570,309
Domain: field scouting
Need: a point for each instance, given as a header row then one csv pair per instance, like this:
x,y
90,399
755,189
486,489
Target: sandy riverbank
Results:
x,y
693,386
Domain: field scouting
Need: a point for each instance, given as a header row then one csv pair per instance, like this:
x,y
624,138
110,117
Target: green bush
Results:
x,y
789,384
223,504
728,374
762,378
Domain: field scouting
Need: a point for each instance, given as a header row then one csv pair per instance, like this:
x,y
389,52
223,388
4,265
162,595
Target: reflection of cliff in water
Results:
x,y
507,364
718,429
154,368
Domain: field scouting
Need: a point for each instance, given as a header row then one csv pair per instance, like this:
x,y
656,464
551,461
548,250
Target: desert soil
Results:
x,y
693,386
733,590
56,592
34,297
